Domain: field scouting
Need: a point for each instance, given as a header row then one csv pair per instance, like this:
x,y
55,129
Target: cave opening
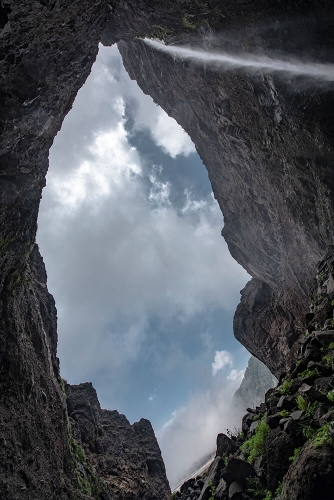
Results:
x,y
143,281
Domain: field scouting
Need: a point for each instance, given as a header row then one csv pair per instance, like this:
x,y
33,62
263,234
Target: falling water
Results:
x,y
254,63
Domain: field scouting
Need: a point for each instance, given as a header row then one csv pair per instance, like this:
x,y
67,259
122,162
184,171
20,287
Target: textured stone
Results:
x,y
311,476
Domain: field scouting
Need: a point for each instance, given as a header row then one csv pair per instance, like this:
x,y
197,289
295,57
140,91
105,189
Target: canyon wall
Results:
x,y
267,144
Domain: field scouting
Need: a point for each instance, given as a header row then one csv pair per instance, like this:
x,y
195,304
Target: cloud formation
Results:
x,y
222,359
133,273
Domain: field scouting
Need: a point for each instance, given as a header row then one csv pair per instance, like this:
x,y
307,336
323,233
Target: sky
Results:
x,y
144,284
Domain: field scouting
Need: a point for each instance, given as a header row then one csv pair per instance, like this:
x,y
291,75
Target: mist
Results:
x,y
250,62
191,432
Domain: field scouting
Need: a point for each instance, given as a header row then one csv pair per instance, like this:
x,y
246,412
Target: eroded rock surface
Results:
x,y
267,143
126,457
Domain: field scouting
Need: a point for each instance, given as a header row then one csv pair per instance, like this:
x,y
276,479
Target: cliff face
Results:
x,y
126,457
47,50
268,150
267,143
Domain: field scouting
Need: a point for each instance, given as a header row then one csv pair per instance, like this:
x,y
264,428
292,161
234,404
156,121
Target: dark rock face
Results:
x,y
268,147
127,457
47,50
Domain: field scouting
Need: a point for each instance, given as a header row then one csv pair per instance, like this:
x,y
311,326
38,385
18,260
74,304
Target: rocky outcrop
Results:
x,y
267,143
126,457
256,382
285,449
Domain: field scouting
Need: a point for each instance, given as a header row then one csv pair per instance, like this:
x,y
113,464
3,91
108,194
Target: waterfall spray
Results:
x,y
253,63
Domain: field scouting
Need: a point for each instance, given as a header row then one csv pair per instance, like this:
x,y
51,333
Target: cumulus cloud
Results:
x,y
222,359
118,253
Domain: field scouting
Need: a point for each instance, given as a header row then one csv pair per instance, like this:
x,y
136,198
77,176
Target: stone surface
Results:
x,y
279,447
257,162
127,457
237,470
311,475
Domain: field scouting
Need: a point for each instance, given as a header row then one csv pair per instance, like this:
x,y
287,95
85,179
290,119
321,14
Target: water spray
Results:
x,y
319,71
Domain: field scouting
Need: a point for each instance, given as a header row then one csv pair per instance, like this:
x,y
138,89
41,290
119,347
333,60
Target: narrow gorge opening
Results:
x,y
143,281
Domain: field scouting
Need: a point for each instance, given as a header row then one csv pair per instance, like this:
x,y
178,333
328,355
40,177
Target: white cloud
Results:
x,y
152,397
117,251
169,135
222,359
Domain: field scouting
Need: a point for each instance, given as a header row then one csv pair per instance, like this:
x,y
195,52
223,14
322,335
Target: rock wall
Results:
x,y
126,457
267,143
268,150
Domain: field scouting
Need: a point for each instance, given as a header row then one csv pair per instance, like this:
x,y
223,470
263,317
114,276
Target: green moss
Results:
x,y
188,22
330,396
324,435
295,454
85,479
285,387
302,402
310,373
254,446
284,413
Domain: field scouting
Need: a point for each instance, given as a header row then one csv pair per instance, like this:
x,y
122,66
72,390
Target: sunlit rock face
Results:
x,y
267,143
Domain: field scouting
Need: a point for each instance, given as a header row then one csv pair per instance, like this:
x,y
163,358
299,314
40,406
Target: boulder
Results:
x,y
279,446
238,470
311,475
225,446
287,403
235,490
212,478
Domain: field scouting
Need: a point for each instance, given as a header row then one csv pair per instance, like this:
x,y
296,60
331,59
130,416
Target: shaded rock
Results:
x,y
234,489
225,446
287,403
221,490
212,477
279,446
237,470
274,420
324,384
297,415
327,417
311,475
325,337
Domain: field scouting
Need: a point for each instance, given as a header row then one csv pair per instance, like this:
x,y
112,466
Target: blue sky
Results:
x,y
143,281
